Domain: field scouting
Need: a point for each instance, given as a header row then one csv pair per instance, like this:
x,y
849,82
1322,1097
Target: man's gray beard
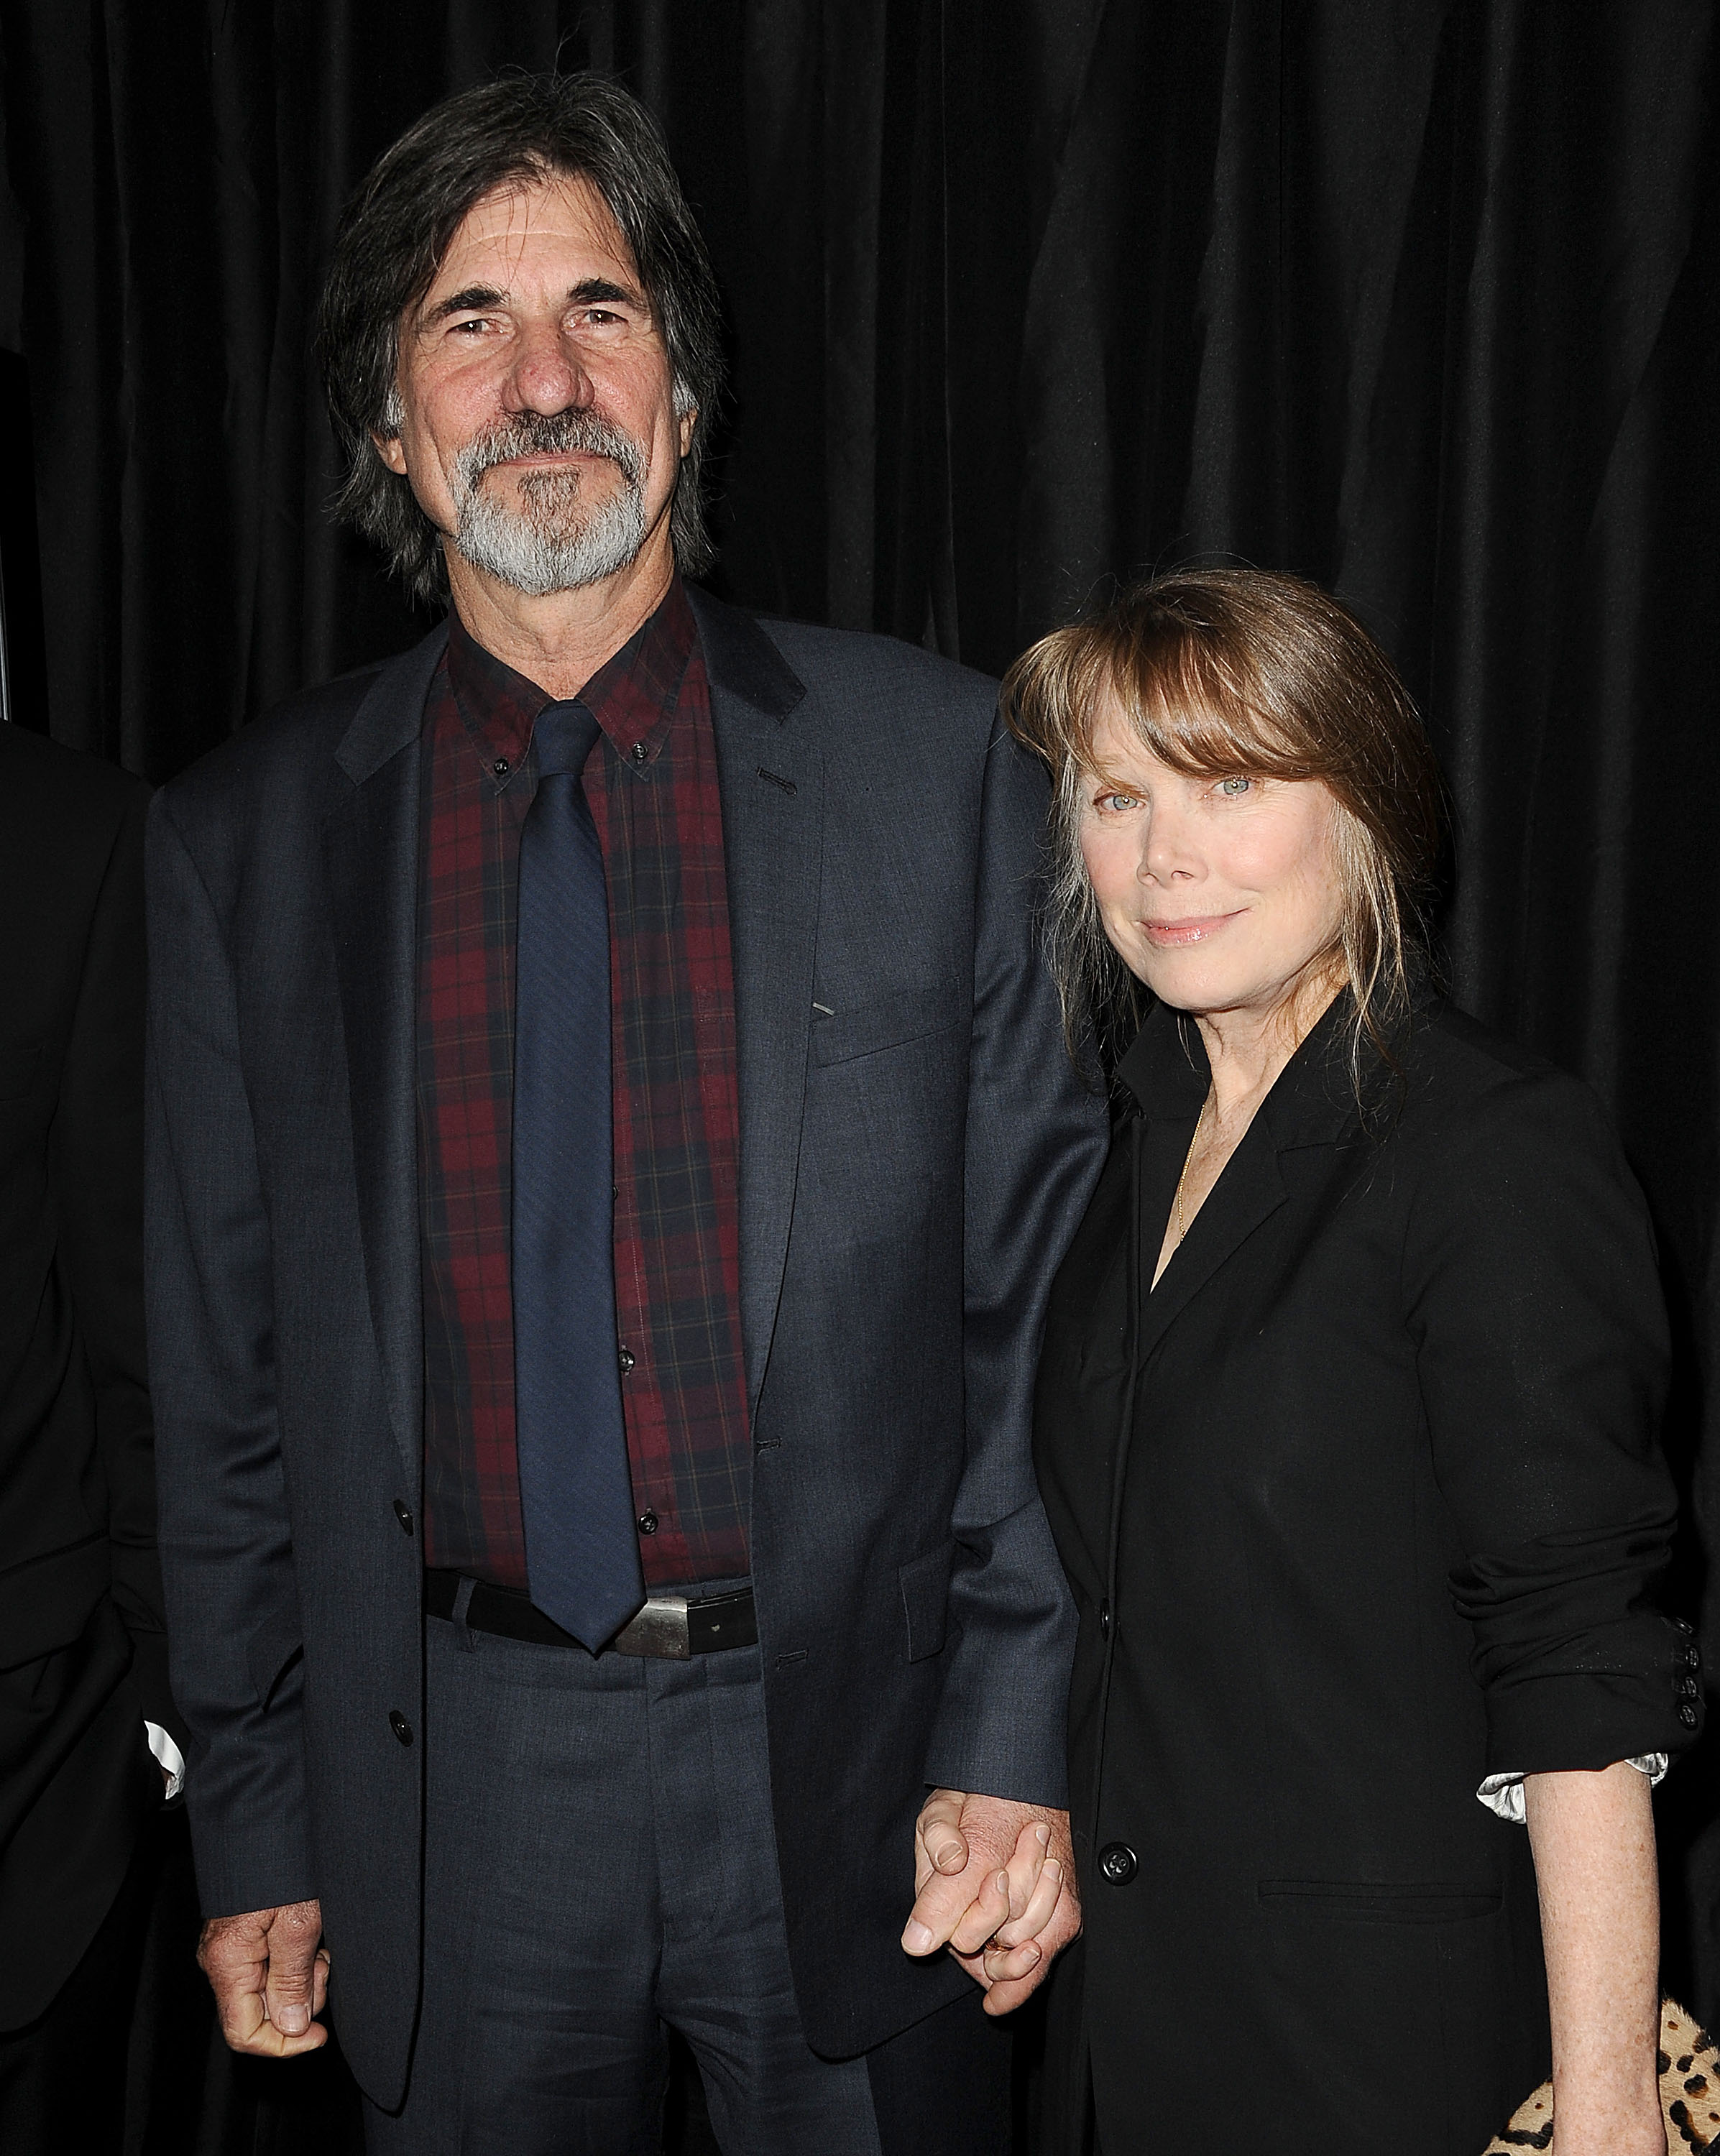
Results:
x,y
548,545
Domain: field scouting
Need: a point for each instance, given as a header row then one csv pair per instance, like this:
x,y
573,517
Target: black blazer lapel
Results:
x,y
1313,1103
773,810
1249,1190
371,857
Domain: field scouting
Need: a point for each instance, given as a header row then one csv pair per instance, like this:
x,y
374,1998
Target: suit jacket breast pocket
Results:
x,y
925,1600
846,1030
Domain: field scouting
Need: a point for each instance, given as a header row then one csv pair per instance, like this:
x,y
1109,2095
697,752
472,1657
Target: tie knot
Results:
x,y
565,735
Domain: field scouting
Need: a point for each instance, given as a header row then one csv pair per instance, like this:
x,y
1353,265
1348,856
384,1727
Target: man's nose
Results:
x,y
545,375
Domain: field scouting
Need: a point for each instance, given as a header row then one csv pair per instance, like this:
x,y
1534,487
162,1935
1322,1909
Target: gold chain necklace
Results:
x,y
1177,1220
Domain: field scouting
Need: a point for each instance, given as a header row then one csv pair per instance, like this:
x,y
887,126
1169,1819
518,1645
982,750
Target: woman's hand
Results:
x,y
1594,1839
994,1882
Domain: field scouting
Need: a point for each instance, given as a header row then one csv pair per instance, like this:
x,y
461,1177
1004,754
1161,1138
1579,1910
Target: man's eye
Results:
x,y
1234,788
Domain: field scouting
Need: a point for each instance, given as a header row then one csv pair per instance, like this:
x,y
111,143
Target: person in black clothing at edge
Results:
x,y
89,1735
1347,1428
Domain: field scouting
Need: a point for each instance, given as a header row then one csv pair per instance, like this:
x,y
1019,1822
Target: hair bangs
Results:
x,y
1243,672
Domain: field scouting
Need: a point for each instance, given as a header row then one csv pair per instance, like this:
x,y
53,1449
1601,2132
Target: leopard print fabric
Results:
x,y
1690,2094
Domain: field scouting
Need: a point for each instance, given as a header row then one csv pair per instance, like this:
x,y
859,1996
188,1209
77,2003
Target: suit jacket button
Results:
x,y
400,1726
1117,1861
1688,1716
1105,1621
403,1515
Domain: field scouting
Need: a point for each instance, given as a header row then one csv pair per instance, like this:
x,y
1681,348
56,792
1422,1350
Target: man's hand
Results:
x,y
269,1971
994,1882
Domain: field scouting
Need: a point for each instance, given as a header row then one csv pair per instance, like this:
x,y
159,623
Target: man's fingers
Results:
x,y
294,1938
261,1967
938,1909
245,2029
960,1912
940,1834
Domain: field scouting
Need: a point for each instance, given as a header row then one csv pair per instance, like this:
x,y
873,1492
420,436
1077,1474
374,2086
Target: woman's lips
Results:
x,y
1195,928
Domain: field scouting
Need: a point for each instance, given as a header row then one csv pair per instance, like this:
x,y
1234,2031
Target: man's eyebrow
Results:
x,y
605,288
472,300
479,299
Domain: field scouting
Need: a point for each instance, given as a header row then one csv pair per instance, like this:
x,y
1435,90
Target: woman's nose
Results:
x,y
1164,848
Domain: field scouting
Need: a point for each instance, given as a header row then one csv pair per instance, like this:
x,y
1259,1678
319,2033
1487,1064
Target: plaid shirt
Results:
x,y
653,788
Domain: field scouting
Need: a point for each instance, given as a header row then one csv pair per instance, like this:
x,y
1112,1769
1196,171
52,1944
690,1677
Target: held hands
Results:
x,y
269,1971
994,1881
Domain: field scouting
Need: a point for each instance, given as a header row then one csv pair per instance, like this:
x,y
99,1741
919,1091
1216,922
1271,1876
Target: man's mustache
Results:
x,y
551,434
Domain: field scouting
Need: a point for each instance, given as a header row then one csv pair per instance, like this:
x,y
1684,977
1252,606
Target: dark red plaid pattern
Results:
x,y
653,790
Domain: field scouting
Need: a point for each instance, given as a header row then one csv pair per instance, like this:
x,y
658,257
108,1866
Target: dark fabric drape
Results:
x,y
1025,296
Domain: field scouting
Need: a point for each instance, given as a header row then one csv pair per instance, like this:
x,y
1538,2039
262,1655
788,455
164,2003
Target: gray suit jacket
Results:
x,y
915,1155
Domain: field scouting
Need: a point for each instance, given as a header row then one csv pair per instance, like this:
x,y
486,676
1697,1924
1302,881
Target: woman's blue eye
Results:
x,y
1234,788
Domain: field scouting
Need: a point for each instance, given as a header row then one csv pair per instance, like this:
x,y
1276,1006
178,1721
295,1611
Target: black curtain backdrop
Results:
x,y
1420,300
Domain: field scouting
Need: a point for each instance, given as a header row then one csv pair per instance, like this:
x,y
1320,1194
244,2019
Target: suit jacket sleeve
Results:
x,y
1534,1302
226,1542
1035,1143
96,1171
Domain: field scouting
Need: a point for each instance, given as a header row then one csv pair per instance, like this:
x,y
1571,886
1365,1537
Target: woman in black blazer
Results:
x,y
1347,1429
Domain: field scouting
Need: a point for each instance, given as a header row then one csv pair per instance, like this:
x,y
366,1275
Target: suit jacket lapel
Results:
x,y
1310,1104
370,856
773,808
1249,1191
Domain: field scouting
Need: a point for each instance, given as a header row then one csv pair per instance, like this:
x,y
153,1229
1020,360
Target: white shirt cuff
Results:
x,y
168,1757
1503,1793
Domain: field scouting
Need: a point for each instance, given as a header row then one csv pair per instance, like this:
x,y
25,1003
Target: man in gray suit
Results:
x,y
611,1146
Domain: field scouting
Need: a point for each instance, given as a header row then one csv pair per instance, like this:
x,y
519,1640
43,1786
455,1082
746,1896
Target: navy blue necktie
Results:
x,y
582,1547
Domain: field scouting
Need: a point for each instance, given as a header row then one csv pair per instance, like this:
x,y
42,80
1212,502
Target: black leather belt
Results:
x,y
669,1626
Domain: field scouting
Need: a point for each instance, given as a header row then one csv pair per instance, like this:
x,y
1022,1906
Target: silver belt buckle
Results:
x,y
660,1628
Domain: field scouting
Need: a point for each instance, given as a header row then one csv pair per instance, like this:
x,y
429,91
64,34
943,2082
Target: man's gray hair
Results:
x,y
399,225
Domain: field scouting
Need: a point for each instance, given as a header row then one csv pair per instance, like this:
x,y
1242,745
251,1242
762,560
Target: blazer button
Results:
x,y
1692,1658
1105,1621
1117,1861
403,1516
1688,1688
1688,1716
400,1726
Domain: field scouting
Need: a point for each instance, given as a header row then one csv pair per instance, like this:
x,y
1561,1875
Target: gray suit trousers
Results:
x,y
600,1861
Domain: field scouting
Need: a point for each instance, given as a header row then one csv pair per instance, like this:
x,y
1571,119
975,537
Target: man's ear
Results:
x,y
689,420
392,455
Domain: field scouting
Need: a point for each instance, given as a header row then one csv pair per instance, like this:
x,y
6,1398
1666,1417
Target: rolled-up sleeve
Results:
x,y
1534,1303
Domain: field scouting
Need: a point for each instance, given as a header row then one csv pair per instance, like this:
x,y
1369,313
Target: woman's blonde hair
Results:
x,y
1240,672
